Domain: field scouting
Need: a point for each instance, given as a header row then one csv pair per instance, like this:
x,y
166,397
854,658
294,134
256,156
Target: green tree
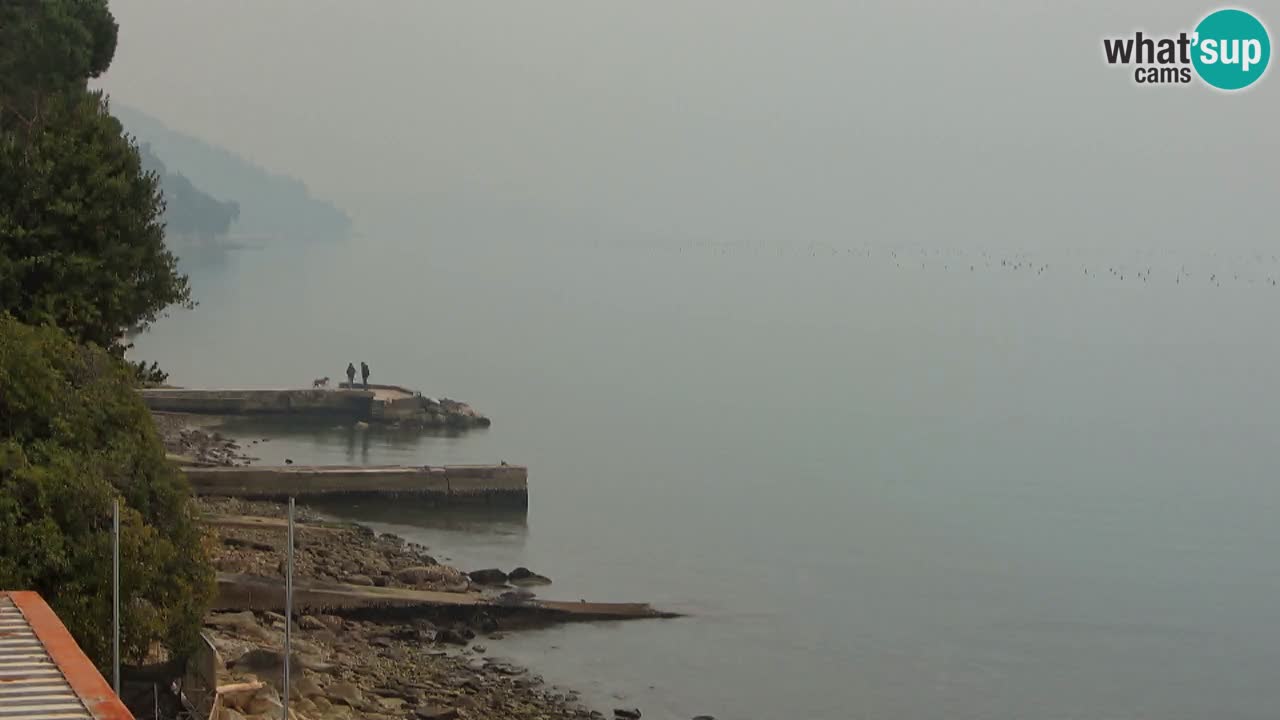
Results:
x,y
74,435
48,47
81,237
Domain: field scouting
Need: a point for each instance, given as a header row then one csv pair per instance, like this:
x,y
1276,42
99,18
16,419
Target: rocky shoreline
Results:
x,y
195,440
377,664
382,665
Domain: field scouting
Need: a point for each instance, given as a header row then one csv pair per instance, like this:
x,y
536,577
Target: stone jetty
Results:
x,y
445,485
390,404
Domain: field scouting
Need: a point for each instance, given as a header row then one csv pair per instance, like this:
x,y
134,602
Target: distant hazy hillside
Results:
x,y
270,205
189,213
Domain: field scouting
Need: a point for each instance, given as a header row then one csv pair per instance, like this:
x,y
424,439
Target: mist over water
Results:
x,y
916,353
879,491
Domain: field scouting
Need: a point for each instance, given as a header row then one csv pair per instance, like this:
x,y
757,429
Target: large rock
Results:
x,y
358,579
310,622
525,576
249,701
488,576
232,564
436,712
303,707
266,704
262,662
422,574
626,713
243,624
333,622
238,697
515,597
306,647
453,637
345,692
313,663
307,687
268,664
338,712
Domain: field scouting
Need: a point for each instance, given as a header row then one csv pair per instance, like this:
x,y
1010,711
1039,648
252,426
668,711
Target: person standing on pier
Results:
x,y
364,374
351,376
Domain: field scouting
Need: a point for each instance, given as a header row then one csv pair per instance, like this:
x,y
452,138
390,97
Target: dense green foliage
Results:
x,y
48,47
148,375
73,436
81,241
82,261
81,237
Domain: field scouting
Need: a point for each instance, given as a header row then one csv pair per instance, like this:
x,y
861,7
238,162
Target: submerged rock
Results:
x,y
515,597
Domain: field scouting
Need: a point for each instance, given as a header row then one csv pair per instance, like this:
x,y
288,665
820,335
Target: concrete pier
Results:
x,y
377,403
246,592
345,403
455,484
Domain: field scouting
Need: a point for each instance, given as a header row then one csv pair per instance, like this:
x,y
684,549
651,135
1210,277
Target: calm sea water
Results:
x,y
880,490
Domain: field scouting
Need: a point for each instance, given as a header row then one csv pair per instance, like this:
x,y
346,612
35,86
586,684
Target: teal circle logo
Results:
x,y
1232,49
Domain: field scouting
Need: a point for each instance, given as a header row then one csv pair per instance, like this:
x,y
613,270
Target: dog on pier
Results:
x,y
320,382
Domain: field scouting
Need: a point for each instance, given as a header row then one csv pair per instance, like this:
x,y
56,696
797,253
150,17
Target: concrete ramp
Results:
x,y
248,592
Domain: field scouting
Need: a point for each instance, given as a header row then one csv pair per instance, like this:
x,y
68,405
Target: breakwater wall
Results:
x,y
506,485
345,403
389,404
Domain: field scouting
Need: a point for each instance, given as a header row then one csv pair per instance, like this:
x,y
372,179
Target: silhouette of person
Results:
x,y
364,375
351,376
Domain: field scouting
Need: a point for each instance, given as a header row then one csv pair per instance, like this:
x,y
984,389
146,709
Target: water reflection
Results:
x,y
363,436
338,441
492,520
273,440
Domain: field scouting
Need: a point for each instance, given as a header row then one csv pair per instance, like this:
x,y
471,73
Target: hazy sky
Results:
x,y
1014,495
992,120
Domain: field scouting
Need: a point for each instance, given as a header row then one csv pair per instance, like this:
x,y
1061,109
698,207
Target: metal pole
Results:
x,y
288,613
115,596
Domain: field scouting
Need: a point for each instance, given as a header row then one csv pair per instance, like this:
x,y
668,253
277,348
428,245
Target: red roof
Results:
x,y
43,672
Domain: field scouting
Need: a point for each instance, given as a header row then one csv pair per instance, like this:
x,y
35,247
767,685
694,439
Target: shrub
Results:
x,y
74,435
